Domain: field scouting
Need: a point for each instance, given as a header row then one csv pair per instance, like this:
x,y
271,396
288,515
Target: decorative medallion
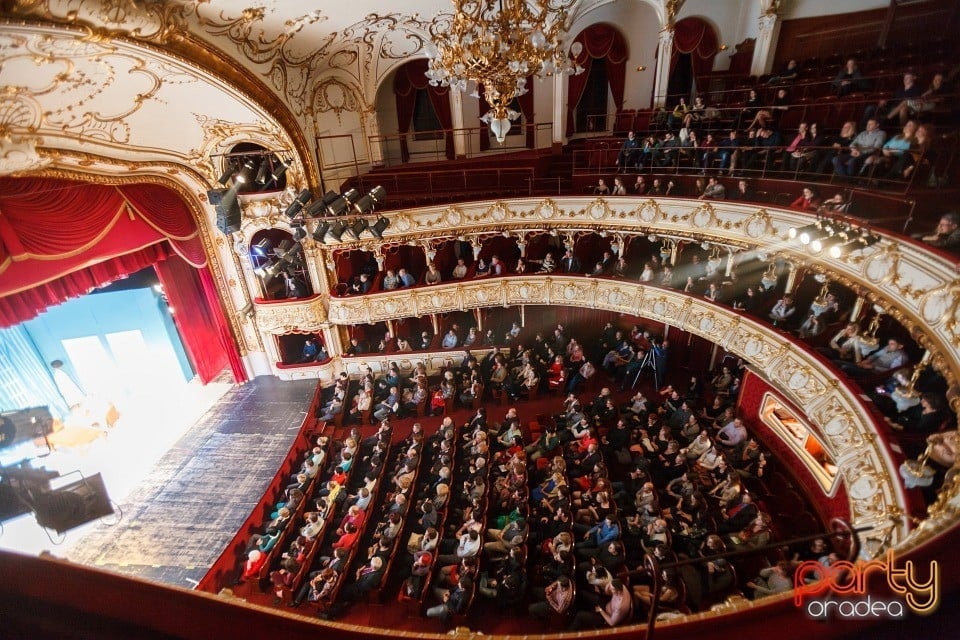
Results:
x,y
547,209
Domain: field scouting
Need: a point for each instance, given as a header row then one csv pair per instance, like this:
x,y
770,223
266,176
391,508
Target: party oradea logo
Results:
x,y
840,590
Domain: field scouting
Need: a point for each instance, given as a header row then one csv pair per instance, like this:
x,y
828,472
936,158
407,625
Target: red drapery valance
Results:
x,y
61,239
599,41
23,305
695,36
410,78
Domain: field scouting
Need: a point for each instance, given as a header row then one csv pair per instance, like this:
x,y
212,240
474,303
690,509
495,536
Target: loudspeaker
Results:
x,y
228,216
73,505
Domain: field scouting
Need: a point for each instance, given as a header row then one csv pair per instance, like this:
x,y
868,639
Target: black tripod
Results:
x,y
648,362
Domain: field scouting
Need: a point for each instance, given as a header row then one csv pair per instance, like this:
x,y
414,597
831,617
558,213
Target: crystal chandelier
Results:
x,y
497,44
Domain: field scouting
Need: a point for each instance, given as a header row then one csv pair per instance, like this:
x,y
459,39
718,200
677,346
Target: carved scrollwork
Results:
x,y
758,224
283,318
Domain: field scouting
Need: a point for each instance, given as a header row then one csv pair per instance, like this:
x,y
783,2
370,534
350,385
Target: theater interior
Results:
x,y
331,221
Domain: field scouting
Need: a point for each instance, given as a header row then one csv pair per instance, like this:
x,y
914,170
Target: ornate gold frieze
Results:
x,y
916,287
280,318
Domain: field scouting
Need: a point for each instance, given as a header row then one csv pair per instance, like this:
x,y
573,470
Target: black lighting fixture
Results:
x,y
280,169
338,207
379,227
366,204
227,173
247,173
299,231
264,248
319,208
357,227
337,229
294,209
835,236
861,239
320,233
263,172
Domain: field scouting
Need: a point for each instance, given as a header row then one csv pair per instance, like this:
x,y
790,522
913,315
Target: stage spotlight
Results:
x,y
320,207
859,240
262,172
338,206
803,234
379,227
358,227
294,209
282,249
299,232
351,195
364,205
337,230
227,174
267,274
280,169
246,173
321,232
263,248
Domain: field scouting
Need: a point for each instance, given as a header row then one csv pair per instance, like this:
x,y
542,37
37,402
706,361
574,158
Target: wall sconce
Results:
x,y
641,68
723,47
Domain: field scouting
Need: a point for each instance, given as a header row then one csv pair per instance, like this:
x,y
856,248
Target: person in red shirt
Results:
x,y
808,200
348,539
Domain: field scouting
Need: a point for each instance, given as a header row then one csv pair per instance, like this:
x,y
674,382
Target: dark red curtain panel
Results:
x,y
409,79
599,40
695,36
21,306
198,318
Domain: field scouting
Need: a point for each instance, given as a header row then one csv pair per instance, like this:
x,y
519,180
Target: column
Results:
x,y
428,251
371,127
662,79
791,278
857,309
765,46
559,111
313,256
730,256
456,115
321,265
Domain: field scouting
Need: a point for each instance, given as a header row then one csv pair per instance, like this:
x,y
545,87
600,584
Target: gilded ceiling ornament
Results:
x,y
83,88
333,95
288,62
154,21
19,154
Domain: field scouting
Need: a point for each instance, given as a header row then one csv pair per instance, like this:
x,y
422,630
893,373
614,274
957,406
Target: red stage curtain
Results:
x,y
60,239
410,78
696,37
599,41
198,316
